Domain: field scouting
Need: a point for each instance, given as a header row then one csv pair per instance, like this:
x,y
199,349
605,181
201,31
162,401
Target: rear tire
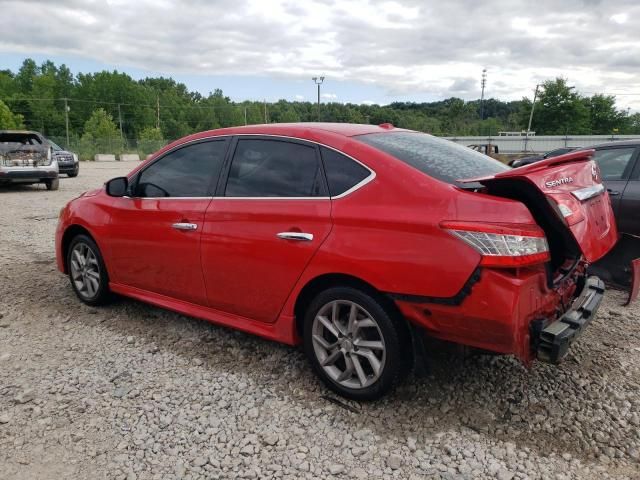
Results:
x,y
72,175
87,272
354,345
52,184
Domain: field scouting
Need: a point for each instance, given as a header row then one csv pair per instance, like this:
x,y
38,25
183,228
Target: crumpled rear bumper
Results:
x,y
554,340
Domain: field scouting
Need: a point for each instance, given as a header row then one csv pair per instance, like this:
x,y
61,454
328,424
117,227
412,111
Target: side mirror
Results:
x,y
117,187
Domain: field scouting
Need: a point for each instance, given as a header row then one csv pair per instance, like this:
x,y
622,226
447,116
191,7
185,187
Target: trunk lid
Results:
x,y
572,189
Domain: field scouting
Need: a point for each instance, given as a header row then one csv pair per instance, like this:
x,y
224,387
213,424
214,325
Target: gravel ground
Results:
x,y
134,392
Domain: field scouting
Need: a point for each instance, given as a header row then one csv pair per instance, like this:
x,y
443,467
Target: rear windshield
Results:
x,y
18,137
438,158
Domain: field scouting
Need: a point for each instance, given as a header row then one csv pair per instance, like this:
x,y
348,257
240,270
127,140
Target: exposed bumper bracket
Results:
x,y
555,338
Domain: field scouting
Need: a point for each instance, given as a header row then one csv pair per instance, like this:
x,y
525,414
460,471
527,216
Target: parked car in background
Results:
x,y
519,162
26,158
619,166
67,161
486,148
353,240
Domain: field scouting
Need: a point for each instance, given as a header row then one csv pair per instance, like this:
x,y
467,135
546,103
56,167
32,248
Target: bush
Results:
x,y
100,136
150,141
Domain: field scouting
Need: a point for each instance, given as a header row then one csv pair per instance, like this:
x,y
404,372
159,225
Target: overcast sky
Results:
x,y
369,51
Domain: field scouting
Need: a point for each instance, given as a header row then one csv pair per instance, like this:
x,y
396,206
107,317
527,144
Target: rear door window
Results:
x,y
343,173
437,157
274,168
614,163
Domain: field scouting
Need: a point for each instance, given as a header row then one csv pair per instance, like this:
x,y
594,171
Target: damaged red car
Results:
x,y
352,240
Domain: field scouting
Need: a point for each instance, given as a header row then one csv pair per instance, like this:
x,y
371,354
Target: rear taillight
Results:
x,y
503,245
567,206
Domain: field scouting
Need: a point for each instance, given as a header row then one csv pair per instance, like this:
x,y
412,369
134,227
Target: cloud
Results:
x,y
329,96
299,97
406,47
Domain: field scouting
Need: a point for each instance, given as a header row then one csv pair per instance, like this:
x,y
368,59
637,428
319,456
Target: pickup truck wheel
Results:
x,y
87,271
353,344
73,174
52,184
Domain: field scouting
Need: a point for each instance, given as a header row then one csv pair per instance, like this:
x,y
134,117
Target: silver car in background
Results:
x,y
26,158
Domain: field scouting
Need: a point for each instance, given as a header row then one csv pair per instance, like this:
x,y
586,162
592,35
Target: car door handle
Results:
x,y
185,226
613,192
300,236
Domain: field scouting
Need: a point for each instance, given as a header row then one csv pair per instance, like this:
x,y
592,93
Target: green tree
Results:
x,y
150,140
100,135
603,115
560,110
9,120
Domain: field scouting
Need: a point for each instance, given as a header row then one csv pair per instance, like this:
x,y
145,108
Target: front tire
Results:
x,y
52,184
353,343
87,272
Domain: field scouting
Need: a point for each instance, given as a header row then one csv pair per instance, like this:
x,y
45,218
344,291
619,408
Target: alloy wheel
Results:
x,y
348,344
85,270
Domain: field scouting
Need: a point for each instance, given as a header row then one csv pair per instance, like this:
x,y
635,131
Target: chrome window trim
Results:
x,y
357,186
166,198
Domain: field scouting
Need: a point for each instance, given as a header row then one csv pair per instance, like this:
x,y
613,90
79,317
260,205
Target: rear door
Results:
x,y
271,213
155,233
616,164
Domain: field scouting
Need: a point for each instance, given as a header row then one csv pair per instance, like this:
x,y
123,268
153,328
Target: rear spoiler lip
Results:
x,y
577,156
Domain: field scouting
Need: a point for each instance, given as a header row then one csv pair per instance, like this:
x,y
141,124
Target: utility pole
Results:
x,y
265,111
120,121
533,106
158,112
66,120
245,116
483,83
318,81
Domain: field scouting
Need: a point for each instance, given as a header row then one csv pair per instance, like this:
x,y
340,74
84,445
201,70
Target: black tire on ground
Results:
x,y
74,174
397,345
93,296
52,184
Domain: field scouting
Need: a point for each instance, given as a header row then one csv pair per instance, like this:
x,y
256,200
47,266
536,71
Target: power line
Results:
x,y
104,102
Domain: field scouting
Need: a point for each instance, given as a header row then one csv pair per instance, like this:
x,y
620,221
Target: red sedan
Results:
x,y
354,240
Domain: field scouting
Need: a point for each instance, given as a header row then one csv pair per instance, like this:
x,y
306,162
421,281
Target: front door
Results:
x,y
155,233
272,213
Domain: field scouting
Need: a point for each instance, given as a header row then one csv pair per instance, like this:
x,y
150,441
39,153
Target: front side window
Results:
x,y
273,168
437,157
190,171
613,162
342,172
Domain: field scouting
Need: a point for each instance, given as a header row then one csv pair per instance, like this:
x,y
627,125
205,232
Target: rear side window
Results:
x,y
273,168
613,162
438,158
342,172
189,171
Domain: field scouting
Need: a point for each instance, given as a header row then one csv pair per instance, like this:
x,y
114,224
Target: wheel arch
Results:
x,y
70,233
322,282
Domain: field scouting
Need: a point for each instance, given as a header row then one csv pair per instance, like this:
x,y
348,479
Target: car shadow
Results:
x,y
16,187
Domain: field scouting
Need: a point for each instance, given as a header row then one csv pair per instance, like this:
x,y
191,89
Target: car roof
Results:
x,y
301,130
22,132
631,143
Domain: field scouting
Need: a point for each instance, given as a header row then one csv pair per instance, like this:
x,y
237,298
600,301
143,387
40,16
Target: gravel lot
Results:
x,y
131,391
